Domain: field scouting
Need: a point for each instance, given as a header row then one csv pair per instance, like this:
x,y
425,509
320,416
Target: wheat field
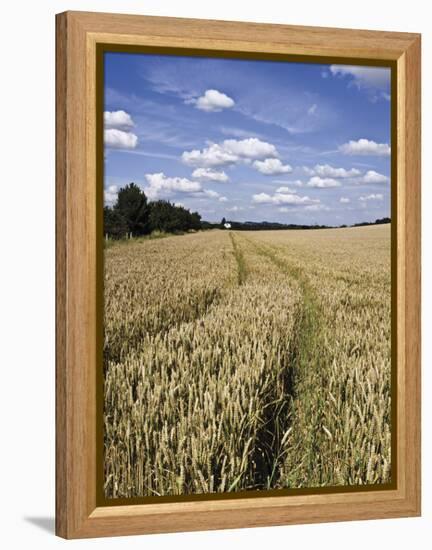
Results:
x,y
244,360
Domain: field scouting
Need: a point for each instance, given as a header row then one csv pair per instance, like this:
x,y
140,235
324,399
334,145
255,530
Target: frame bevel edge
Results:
x,y
413,272
61,477
182,521
388,45
73,285
90,16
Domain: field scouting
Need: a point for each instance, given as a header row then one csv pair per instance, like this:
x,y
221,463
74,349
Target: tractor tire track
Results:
x,y
239,257
303,357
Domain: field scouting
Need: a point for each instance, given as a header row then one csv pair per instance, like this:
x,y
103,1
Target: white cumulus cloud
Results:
x,y
322,183
370,76
209,175
374,80
211,156
365,147
117,139
160,185
118,119
214,195
283,198
327,171
284,189
252,148
372,197
110,195
230,151
374,177
272,166
213,101
344,200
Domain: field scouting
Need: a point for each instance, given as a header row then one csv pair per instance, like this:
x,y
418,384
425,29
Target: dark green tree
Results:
x,y
195,221
223,222
132,205
133,214
163,217
115,225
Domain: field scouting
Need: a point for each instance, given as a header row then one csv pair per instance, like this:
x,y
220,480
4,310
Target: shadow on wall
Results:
x,y
45,523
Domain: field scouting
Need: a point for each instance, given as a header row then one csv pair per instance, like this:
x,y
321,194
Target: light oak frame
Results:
x,y
78,34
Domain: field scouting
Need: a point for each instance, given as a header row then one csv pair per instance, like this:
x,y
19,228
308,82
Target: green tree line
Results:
x,y
133,214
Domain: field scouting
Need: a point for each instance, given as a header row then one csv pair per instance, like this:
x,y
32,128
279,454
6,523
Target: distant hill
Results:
x,y
380,221
266,226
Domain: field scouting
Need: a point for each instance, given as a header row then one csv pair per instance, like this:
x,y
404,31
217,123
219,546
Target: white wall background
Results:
x,y
27,271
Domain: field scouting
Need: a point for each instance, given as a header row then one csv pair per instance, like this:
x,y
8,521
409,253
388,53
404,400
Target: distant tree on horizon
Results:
x,y
115,224
133,214
167,217
383,220
132,205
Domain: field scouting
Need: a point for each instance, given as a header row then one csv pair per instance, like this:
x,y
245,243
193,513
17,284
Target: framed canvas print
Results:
x,y
238,274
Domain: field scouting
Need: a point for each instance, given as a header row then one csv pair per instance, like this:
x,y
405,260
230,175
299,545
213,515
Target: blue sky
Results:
x,y
250,140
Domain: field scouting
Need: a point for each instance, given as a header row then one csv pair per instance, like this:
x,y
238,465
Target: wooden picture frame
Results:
x,y
79,35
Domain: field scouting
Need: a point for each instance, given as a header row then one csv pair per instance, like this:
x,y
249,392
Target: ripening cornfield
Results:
x,y
241,361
